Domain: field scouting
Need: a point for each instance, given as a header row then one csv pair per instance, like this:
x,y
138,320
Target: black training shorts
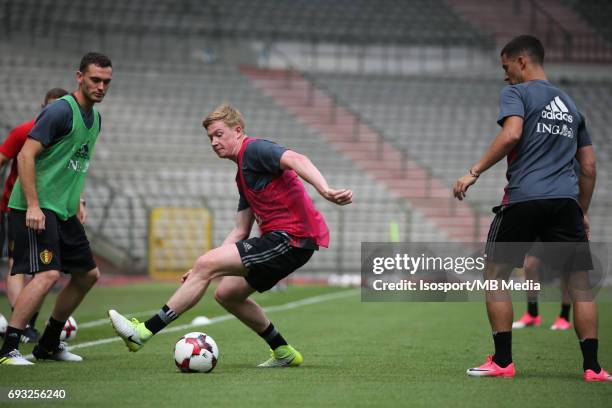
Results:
x,y
558,223
270,258
62,245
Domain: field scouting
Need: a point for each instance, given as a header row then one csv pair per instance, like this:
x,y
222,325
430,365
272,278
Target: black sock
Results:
x,y
565,309
273,337
163,318
503,348
32,322
589,355
50,338
532,308
11,339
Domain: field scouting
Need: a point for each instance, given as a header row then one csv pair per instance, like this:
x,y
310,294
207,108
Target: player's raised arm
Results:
x,y
309,172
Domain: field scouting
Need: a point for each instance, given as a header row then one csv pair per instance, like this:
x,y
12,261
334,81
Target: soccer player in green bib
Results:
x,y
46,234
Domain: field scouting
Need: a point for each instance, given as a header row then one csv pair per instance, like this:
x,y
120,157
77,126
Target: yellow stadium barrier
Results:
x,y
177,237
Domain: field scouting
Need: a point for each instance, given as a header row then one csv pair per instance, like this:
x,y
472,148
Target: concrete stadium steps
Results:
x,y
157,154
292,91
504,20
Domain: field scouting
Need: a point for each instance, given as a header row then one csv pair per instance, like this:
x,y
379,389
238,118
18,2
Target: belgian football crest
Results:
x,y
46,256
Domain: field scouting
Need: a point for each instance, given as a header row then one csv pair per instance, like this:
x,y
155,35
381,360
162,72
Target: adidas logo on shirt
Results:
x,y
557,110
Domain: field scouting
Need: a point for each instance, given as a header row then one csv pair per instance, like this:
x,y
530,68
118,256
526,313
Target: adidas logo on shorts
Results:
x,y
247,246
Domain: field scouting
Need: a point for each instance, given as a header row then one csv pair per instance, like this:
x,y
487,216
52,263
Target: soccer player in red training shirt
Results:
x,y
8,151
292,229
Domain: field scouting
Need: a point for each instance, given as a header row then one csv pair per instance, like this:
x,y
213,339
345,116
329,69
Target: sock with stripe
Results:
x,y
50,338
163,318
11,340
273,337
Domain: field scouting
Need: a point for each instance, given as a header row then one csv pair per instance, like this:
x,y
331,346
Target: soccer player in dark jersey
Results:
x,y
9,150
48,236
292,229
542,133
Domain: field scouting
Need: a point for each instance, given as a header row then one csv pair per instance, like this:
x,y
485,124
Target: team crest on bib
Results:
x,y
46,256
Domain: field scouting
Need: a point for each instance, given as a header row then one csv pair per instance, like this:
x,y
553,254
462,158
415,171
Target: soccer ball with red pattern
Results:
x,y
69,331
196,353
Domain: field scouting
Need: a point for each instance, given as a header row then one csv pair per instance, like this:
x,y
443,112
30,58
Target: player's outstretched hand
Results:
x,y
340,197
462,184
35,219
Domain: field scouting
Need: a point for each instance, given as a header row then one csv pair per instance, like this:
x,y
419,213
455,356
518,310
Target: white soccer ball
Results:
x,y
196,353
3,324
69,331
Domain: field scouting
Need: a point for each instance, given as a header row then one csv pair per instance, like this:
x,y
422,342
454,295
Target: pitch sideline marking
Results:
x,y
101,322
278,308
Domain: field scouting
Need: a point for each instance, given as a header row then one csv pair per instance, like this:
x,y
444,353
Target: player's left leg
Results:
x,y
233,294
222,261
585,324
70,297
77,258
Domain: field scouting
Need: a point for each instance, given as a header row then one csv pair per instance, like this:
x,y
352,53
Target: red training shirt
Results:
x,y
11,148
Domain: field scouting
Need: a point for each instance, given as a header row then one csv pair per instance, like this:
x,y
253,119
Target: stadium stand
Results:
x,y
153,152
565,34
596,13
347,21
175,60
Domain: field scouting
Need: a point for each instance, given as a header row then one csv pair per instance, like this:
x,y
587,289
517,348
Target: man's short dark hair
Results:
x,y
95,58
525,44
55,93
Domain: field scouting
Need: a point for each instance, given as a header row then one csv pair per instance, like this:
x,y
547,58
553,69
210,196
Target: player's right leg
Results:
x,y
499,311
510,236
28,302
16,282
222,261
37,254
14,286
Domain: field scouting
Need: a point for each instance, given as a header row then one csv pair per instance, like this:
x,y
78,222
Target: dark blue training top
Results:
x,y
260,164
541,166
55,122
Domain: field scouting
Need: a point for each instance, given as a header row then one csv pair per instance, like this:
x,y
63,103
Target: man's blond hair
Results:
x,y
228,114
